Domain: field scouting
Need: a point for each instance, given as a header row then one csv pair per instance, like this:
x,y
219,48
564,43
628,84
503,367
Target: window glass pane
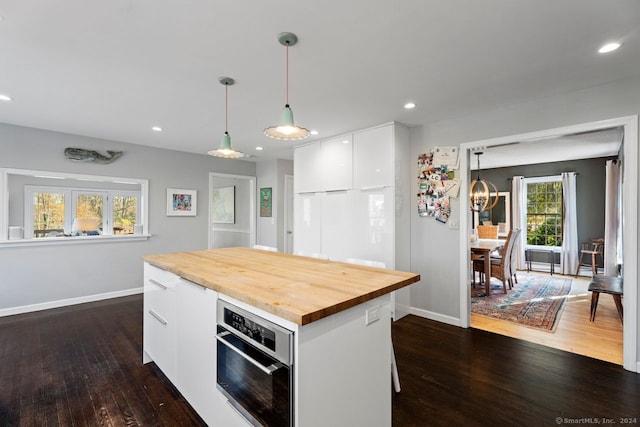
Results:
x,y
124,214
544,213
48,214
90,206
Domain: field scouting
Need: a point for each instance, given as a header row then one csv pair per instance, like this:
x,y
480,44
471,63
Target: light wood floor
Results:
x,y
601,339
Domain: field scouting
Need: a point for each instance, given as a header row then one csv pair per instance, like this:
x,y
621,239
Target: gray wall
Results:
x,y
590,188
270,173
37,274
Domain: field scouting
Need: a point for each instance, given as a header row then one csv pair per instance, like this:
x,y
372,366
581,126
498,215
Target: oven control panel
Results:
x,y
250,328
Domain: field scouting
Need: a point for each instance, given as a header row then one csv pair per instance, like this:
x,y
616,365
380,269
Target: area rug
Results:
x,y
536,301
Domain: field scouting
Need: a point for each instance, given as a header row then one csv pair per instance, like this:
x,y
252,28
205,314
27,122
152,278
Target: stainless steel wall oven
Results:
x,y
255,366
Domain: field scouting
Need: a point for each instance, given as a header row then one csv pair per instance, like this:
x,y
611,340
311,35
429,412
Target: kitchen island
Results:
x,y
339,315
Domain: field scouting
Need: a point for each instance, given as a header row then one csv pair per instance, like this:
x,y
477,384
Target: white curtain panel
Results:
x,y
570,225
612,222
517,219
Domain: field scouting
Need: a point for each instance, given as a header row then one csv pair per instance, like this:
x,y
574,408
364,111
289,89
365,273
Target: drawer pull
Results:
x,y
158,317
155,282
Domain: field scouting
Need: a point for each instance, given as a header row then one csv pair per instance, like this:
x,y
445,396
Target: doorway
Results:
x,y
232,210
629,214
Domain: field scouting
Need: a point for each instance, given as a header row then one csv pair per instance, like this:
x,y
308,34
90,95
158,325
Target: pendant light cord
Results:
x,y
287,75
226,108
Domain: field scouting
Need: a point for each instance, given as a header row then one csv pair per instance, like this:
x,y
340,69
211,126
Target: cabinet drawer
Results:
x,y
159,340
160,277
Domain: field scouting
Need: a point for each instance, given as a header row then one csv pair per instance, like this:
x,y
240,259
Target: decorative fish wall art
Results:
x,y
82,155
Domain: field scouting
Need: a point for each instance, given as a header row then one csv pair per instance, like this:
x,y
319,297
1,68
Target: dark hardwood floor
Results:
x,y
82,366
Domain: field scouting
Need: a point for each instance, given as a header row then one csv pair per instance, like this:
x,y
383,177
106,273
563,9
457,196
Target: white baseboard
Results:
x,y
65,302
436,316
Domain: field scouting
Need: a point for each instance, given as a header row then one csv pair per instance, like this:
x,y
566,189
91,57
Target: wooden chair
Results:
x,y
512,265
487,231
593,250
500,267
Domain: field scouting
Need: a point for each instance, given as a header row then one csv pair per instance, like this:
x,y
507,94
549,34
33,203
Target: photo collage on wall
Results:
x,y
437,182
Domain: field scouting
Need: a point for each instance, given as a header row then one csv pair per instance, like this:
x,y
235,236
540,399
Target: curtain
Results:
x,y
518,210
612,220
570,224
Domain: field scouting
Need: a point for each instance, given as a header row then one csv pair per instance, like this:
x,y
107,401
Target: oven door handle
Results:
x,y
269,370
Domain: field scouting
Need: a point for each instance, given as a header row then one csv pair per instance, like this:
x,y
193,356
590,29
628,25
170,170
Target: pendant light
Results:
x,y
287,130
480,192
225,149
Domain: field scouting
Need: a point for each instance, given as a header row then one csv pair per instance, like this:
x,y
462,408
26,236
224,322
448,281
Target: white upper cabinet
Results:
x,y
307,169
337,163
324,166
373,158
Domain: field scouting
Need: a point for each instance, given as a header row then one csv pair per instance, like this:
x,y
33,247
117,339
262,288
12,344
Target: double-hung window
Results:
x,y
544,214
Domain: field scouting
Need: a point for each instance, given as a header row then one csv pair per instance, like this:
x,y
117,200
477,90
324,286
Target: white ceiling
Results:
x,y
112,69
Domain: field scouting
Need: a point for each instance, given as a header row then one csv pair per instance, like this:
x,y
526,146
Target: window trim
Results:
x,y
6,173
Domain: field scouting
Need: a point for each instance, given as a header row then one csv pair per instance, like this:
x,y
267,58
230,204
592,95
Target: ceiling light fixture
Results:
x,y
409,105
5,97
313,132
156,129
609,47
287,130
225,149
480,192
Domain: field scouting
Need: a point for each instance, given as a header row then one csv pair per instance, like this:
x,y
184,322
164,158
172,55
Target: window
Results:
x,y
544,211
39,207
51,211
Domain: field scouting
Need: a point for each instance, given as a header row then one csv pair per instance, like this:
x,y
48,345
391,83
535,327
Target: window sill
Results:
x,y
51,241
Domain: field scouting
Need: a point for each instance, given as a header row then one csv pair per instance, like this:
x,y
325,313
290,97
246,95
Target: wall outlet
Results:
x,y
454,224
373,314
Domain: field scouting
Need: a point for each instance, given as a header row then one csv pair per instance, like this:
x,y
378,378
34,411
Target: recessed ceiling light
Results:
x,y
259,148
156,129
409,105
5,97
609,47
346,141
314,132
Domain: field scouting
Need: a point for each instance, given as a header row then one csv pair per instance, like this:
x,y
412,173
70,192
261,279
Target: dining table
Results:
x,y
484,247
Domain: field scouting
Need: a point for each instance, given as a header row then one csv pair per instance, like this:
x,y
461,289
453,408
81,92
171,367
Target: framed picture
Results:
x,y
265,201
223,205
181,202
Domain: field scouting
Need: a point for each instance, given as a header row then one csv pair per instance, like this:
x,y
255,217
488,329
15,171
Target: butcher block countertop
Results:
x,y
297,288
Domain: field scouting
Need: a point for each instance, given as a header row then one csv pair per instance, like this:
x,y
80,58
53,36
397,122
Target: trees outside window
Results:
x,y
544,211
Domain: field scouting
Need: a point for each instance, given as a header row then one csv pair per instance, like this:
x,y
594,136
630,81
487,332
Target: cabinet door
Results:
x,y
196,349
373,225
336,164
159,320
373,158
307,168
337,224
307,227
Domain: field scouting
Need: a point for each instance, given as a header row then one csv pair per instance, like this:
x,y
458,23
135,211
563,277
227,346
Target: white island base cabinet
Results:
x,y
342,362
343,368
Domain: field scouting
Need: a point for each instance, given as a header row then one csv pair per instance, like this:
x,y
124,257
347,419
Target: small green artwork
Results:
x,y
265,201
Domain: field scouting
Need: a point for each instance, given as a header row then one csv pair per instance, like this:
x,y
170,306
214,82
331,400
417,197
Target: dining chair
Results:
x,y
500,267
487,231
512,265
394,366
593,250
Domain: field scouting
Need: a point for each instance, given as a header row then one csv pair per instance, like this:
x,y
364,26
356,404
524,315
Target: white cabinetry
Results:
x,y
373,157
370,220
159,330
324,166
196,349
179,336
